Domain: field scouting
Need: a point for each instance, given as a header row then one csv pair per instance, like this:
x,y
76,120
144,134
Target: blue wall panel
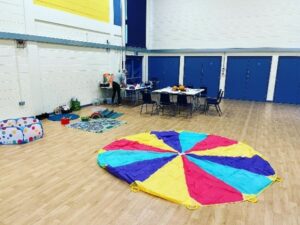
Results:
x,y
117,13
203,71
164,69
247,78
136,23
287,89
134,67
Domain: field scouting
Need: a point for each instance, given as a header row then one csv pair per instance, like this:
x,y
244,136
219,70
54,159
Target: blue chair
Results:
x,y
215,102
182,103
165,103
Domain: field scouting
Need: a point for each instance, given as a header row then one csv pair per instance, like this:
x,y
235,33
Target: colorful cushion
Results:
x,y
26,121
20,131
8,123
11,135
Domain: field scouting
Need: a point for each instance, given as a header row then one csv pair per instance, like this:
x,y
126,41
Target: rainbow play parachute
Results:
x,y
188,168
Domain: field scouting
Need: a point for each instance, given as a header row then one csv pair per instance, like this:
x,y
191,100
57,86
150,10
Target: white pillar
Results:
x,y
223,72
272,78
123,30
145,68
181,70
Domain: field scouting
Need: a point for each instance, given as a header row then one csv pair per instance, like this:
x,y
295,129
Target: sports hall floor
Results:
x,y
56,180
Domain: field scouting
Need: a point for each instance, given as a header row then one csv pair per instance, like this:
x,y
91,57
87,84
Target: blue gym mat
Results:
x,y
58,117
111,114
115,115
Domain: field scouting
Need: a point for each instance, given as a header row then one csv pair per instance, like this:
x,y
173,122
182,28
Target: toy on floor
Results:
x,y
96,102
95,115
188,168
85,118
65,121
75,104
63,109
20,131
105,113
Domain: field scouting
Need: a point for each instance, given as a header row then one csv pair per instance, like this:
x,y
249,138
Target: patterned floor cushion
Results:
x,y
20,131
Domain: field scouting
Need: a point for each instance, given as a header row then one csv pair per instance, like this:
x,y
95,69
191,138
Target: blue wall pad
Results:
x,y
117,13
136,23
287,89
247,77
165,69
134,67
203,71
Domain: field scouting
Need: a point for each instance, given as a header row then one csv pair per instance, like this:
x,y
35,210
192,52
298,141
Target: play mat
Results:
x,y
188,168
97,126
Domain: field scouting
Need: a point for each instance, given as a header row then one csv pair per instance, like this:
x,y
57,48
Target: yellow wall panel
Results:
x,y
93,9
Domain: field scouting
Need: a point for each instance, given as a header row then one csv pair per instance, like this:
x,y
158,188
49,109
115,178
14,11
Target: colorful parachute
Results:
x,y
188,168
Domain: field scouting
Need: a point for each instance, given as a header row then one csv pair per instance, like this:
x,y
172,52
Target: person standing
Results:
x,y
118,80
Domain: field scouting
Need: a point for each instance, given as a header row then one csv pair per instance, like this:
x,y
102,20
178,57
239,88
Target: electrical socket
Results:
x,y
21,103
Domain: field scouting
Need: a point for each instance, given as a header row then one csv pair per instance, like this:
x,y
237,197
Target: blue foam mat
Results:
x,y
58,117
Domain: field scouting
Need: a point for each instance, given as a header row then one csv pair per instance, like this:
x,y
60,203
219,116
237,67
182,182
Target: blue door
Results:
x,y
247,78
164,69
237,70
203,71
134,67
287,89
136,23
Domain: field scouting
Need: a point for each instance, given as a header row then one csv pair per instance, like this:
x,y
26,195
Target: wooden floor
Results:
x,y
56,180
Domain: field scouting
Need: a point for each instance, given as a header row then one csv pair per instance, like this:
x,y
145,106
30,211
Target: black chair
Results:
x,y
155,83
203,93
147,100
165,103
182,103
202,97
216,102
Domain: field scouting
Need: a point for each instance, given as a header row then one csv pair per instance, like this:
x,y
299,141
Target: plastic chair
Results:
x,y
165,103
155,83
182,103
202,97
147,100
215,101
203,93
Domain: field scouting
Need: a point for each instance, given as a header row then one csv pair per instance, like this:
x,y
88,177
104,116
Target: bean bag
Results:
x,y
20,131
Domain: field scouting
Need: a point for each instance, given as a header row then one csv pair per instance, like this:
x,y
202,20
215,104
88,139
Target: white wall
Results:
x,y
15,82
12,16
67,72
221,25
215,24
45,75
